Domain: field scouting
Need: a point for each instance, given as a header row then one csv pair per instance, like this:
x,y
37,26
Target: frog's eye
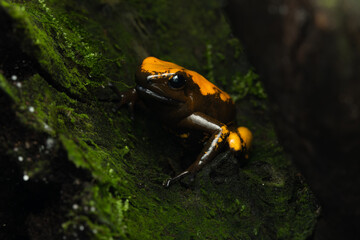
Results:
x,y
177,81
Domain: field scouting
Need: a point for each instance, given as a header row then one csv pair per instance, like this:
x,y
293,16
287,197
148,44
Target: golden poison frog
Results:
x,y
186,102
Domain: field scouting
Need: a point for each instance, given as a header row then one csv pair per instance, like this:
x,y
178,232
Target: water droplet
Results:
x,y
31,109
50,142
47,127
75,206
16,149
20,158
26,177
41,148
18,84
95,231
92,209
14,77
81,227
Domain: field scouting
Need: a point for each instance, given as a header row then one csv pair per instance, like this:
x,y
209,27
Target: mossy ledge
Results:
x,y
73,168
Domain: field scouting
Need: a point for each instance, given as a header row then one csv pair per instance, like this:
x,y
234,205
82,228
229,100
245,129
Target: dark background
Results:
x,y
307,53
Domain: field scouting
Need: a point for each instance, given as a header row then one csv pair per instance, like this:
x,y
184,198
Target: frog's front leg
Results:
x,y
219,132
129,97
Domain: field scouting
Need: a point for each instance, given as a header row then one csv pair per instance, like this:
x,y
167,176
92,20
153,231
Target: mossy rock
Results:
x,y
74,168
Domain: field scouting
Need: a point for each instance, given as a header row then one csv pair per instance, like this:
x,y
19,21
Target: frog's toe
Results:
x,y
170,181
167,183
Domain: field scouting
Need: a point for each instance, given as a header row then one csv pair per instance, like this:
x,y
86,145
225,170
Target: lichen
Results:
x,y
116,166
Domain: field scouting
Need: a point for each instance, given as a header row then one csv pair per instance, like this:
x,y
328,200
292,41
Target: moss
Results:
x,y
74,50
6,88
248,84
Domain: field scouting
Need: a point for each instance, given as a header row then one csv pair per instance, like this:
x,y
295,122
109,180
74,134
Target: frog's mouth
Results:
x,y
153,95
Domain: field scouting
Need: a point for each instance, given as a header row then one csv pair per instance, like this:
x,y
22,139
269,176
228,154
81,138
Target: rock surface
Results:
x,y
73,168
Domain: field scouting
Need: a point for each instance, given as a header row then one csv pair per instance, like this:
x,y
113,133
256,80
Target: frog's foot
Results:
x,y
240,141
128,98
170,181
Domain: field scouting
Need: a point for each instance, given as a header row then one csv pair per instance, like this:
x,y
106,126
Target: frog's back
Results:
x,y
223,111
211,100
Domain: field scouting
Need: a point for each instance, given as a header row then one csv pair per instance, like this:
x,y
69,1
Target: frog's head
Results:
x,y
163,81
169,82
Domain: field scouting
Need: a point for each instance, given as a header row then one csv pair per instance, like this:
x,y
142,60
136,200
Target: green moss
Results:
x,y
77,50
5,86
248,84
108,210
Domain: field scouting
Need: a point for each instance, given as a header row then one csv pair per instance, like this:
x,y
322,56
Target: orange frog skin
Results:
x,y
186,102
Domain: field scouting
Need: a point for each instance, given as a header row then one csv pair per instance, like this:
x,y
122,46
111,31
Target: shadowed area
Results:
x,y
307,53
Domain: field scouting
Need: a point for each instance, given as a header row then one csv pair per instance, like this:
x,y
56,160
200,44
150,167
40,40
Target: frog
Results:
x,y
185,101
